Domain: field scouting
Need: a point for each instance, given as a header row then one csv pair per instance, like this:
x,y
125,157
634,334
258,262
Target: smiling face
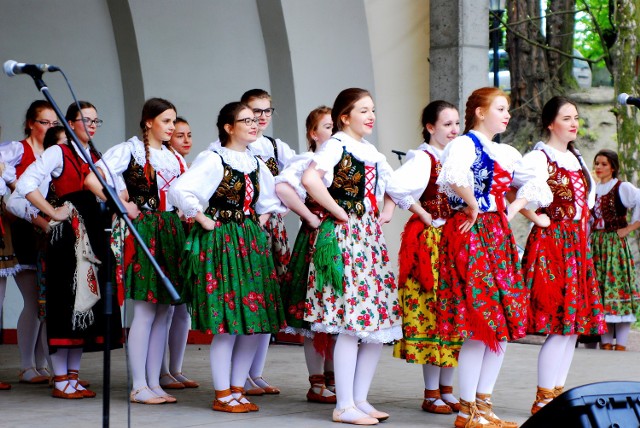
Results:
x,y
90,114
181,138
360,120
161,127
258,105
564,127
240,133
446,128
495,118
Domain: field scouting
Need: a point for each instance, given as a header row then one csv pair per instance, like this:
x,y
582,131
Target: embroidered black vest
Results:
x,y
141,191
348,186
227,202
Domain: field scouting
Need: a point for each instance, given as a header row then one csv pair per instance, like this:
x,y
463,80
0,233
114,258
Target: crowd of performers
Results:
x,y
216,229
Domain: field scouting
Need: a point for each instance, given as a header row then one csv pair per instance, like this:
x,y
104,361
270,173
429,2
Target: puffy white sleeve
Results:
x,y
114,162
327,158
19,206
11,154
193,189
268,201
292,173
457,159
410,180
285,153
40,171
9,174
530,178
630,198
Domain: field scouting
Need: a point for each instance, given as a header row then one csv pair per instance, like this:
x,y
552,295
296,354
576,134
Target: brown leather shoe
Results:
x,y
231,406
429,403
249,405
543,396
57,393
317,382
473,418
619,348
606,346
4,386
449,390
37,379
485,409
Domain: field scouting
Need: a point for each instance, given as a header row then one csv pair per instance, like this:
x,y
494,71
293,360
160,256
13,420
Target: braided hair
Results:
x,y
152,108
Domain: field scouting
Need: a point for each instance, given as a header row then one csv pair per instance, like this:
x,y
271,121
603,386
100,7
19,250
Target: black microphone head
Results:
x,y
622,98
9,66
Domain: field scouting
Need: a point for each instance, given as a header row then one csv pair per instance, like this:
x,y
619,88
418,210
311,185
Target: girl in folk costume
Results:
x,y
19,155
179,320
351,289
232,283
148,167
318,347
413,187
612,257
558,269
76,246
482,297
276,154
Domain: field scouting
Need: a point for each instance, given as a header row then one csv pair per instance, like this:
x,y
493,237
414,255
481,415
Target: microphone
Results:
x,y
626,99
11,68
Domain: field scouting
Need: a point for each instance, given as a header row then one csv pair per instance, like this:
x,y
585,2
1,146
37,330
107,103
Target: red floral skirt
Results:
x,y
558,269
481,290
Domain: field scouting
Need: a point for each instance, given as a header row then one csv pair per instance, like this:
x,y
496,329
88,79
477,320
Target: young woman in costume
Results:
x,y
558,268
482,296
76,248
318,347
351,290
231,280
148,168
413,187
171,376
276,154
612,258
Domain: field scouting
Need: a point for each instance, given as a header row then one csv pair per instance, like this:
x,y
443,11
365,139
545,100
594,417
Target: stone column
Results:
x,y
459,61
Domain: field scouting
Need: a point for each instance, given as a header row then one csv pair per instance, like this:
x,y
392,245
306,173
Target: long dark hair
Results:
x,y
344,104
32,112
549,114
613,159
151,109
430,115
227,116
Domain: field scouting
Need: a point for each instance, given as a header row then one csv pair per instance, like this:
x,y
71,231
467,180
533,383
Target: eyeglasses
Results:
x,y
48,123
97,122
267,111
248,120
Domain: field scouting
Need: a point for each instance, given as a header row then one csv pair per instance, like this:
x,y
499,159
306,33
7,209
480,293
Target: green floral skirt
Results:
x,y
232,285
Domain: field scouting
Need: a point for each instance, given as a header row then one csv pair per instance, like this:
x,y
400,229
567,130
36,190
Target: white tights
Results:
x,y
178,325
146,343
554,360
478,368
260,357
435,376
64,360
316,363
231,357
31,336
355,367
621,331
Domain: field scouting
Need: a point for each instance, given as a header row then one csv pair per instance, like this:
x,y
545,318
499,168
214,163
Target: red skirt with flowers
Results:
x,y
482,295
558,268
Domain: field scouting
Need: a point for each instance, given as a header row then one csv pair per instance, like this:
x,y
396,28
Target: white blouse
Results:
x,y
629,196
165,162
292,173
459,156
535,167
11,153
328,156
263,148
192,191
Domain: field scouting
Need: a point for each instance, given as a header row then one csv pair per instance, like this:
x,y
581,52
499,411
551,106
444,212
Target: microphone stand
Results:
x,y
399,154
121,212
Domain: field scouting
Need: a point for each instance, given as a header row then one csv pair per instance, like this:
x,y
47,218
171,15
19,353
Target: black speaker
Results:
x,y
596,405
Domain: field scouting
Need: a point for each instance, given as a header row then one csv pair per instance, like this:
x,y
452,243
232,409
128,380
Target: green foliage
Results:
x,y
587,39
